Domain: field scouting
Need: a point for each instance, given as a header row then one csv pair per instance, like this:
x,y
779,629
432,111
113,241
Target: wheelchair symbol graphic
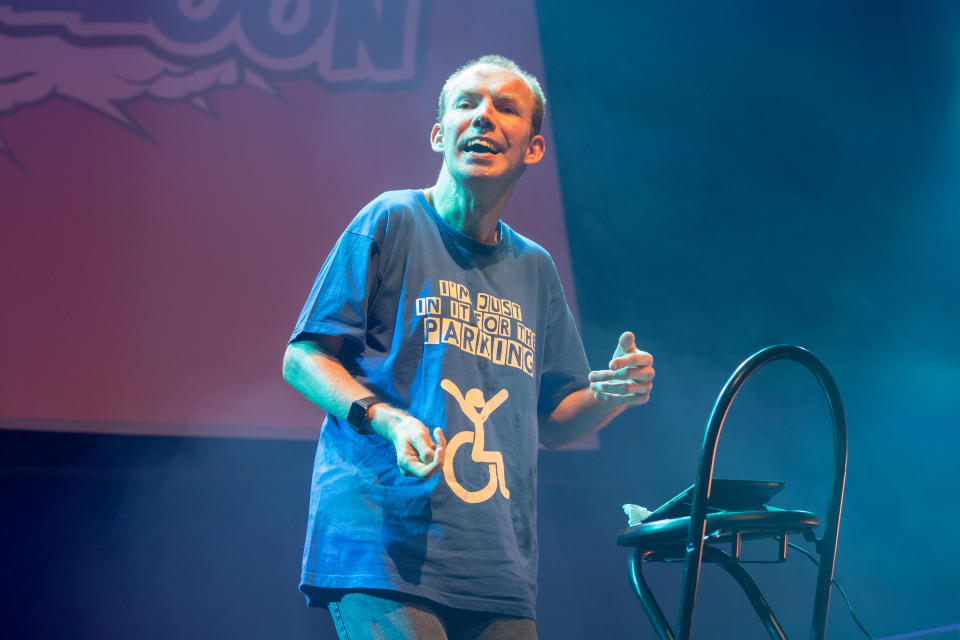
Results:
x,y
477,411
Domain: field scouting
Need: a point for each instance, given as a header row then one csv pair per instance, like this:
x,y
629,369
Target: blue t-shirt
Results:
x,y
473,338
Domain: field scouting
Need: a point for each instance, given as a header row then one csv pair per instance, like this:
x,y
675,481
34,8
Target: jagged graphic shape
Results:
x,y
35,69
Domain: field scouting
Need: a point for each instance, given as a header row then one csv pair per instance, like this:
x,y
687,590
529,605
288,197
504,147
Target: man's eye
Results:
x,y
463,104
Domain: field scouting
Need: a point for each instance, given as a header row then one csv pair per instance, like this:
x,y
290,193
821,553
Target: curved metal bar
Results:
x,y
646,597
750,588
695,534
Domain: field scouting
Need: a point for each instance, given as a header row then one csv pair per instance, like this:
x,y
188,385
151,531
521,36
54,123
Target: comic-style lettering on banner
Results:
x,y
103,54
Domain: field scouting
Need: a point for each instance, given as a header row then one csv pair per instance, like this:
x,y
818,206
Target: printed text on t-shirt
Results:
x,y
490,328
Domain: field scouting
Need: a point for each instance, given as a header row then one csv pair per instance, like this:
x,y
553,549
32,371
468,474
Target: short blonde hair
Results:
x,y
540,101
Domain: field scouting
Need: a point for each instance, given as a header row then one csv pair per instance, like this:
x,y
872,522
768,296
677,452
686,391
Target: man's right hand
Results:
x,y
314,369
417,453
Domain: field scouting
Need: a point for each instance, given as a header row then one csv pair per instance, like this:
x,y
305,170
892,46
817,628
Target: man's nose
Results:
x,y
481,117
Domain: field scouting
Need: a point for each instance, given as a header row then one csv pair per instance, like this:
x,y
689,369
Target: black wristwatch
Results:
x,y
358,414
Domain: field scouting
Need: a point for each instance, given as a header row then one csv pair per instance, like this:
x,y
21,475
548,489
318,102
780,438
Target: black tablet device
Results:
x,y
725,495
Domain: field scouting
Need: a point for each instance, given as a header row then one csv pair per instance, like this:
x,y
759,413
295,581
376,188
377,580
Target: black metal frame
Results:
x,y
775,524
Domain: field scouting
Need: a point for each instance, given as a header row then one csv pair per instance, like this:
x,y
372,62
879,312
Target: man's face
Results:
x,y
486,130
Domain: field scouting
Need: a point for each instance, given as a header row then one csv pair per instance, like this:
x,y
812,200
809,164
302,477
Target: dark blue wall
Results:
x,y
745,173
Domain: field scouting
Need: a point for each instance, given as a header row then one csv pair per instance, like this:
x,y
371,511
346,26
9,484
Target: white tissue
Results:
x,y
635,513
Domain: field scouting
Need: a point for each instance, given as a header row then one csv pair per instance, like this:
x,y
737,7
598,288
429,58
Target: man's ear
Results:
x,y
436,138
535,150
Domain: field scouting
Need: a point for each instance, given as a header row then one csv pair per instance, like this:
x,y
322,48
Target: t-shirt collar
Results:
x,y
468,243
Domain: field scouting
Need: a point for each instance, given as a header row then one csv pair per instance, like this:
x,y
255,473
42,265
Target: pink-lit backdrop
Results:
x,y
149,287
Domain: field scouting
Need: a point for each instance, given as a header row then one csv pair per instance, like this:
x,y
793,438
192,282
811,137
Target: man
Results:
x,y
440,344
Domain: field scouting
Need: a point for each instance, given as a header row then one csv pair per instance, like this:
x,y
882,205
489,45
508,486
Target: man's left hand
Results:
x,y
629,379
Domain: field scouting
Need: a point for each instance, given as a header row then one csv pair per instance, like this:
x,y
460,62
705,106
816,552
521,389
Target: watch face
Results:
x,y
358,413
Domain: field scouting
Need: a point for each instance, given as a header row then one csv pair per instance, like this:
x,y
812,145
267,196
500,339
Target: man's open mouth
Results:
x,y
480,146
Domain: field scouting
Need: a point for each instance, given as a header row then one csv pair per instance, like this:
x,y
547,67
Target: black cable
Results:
x,y
839,588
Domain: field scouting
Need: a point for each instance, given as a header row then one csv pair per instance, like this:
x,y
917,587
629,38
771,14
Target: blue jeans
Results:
x,y
388,615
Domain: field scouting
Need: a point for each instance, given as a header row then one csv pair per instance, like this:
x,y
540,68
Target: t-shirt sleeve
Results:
x,y
565,367
338,302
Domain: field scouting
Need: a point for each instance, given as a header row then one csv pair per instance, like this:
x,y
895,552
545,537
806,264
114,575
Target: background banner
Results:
x,y
173,175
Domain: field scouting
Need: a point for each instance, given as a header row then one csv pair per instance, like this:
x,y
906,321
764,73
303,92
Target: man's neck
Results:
x,y
474,211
